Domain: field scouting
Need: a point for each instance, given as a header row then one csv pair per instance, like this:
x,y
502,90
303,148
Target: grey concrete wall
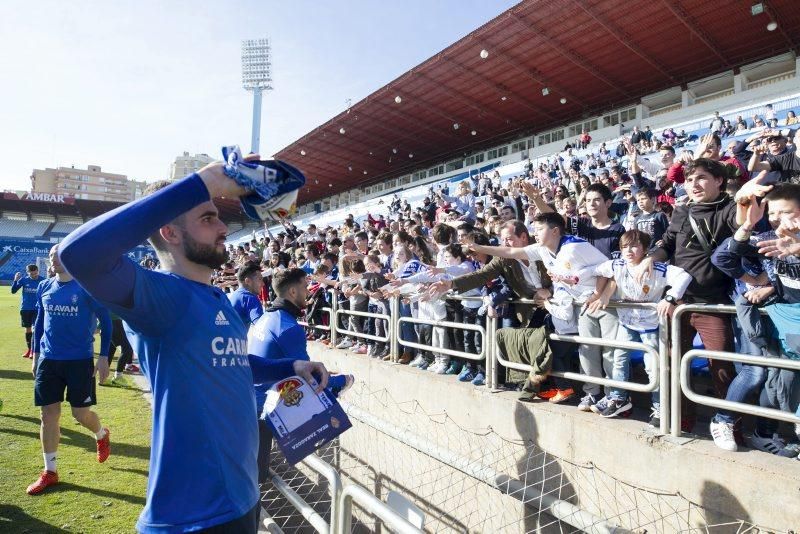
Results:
x,y
618,469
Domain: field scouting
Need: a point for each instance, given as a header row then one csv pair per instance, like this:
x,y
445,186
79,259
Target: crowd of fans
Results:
x,y
649,222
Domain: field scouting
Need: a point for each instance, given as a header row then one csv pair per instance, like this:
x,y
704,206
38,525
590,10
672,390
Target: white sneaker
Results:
x,y
797,430
434,367
416,362
441,367
355,347
344,344
723,436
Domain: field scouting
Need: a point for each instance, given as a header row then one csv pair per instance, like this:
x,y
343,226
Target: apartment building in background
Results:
x,y
91,183
187,164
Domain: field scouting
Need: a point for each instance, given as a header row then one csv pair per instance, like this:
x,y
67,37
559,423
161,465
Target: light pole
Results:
x,y
256,77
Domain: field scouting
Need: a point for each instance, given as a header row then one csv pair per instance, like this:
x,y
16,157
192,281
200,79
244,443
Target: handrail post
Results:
x,y
491,361
663,378
675,364
334,317
394,328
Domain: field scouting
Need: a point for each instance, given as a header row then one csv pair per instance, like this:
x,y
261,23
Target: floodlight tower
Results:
x,y
256,77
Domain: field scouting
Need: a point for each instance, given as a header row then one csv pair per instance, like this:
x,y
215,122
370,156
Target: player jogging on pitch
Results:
x,y
63,336
27,307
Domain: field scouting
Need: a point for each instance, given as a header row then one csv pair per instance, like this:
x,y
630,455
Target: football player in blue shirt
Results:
x,y
192,347
245,299
62,360
27,307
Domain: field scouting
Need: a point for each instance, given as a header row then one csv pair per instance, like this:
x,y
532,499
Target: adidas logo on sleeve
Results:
x,y
221,320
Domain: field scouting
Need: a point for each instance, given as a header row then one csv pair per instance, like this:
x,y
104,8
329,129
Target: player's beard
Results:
x,y
207,255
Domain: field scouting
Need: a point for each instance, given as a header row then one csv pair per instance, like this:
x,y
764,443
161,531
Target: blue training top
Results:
x,y
67,318
274,336
246,305
193,349
29,287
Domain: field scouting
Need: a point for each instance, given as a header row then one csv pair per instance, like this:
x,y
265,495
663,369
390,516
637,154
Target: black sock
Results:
x,y
28,337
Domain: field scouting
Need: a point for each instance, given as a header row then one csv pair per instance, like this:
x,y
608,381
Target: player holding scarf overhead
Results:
x,y
191,343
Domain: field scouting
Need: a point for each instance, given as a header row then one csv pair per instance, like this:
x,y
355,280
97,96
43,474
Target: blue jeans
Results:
x,y
407,332
622,361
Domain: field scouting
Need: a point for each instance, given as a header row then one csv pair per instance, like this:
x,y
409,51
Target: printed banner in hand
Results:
x,y
302,420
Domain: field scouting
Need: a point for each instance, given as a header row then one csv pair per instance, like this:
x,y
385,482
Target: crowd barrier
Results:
x,y
671,376
341,507
680,380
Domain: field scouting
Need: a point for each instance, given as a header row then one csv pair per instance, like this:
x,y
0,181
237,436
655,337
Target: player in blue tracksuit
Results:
x,y
192,347
276,335
63,336
245,298
27,307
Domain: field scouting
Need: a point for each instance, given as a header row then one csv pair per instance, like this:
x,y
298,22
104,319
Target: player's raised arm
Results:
x,y
94,254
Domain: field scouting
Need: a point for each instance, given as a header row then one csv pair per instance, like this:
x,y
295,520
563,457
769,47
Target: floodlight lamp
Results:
x,y
484,53
473,132
455,126
256,66
545,91
302,152
365,172
397,99
772,26
756,9
563,100
341,131
411,155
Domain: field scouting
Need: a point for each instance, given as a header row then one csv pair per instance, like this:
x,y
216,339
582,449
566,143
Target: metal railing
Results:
x,y
681,371
372,504
445,324
670,374
659,359
319,326
353,333
313,517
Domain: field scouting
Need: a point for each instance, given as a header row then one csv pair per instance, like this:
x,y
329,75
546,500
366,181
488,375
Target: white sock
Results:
x,y
100,435
117,374
49,461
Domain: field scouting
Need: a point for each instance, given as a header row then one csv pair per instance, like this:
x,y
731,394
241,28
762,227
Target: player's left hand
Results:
x,y
311,372
101,368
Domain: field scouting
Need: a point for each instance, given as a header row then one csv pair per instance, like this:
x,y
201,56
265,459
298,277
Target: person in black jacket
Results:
x,y
694,233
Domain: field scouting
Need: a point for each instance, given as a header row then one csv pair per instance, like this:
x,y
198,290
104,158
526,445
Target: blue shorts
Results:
x,y
74,376
27,317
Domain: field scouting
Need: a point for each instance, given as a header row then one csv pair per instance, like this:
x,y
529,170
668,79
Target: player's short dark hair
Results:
x,y
635,236
247,270
785,191
155,238
601,189
552,220
668,148
31,267
283,280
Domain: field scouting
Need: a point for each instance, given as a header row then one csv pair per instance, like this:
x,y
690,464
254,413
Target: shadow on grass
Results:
x,y
69,486
15,519
142,472
13,374
77,438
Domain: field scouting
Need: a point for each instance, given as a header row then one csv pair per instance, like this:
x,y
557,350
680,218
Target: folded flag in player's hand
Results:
x,y
274,184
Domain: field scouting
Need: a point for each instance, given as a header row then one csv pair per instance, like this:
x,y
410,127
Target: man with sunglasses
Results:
x,y
778,158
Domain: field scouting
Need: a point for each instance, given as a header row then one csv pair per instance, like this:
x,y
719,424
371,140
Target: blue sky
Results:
x,y
130,85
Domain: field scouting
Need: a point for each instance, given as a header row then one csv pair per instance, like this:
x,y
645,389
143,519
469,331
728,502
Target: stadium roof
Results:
x,y
596,54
